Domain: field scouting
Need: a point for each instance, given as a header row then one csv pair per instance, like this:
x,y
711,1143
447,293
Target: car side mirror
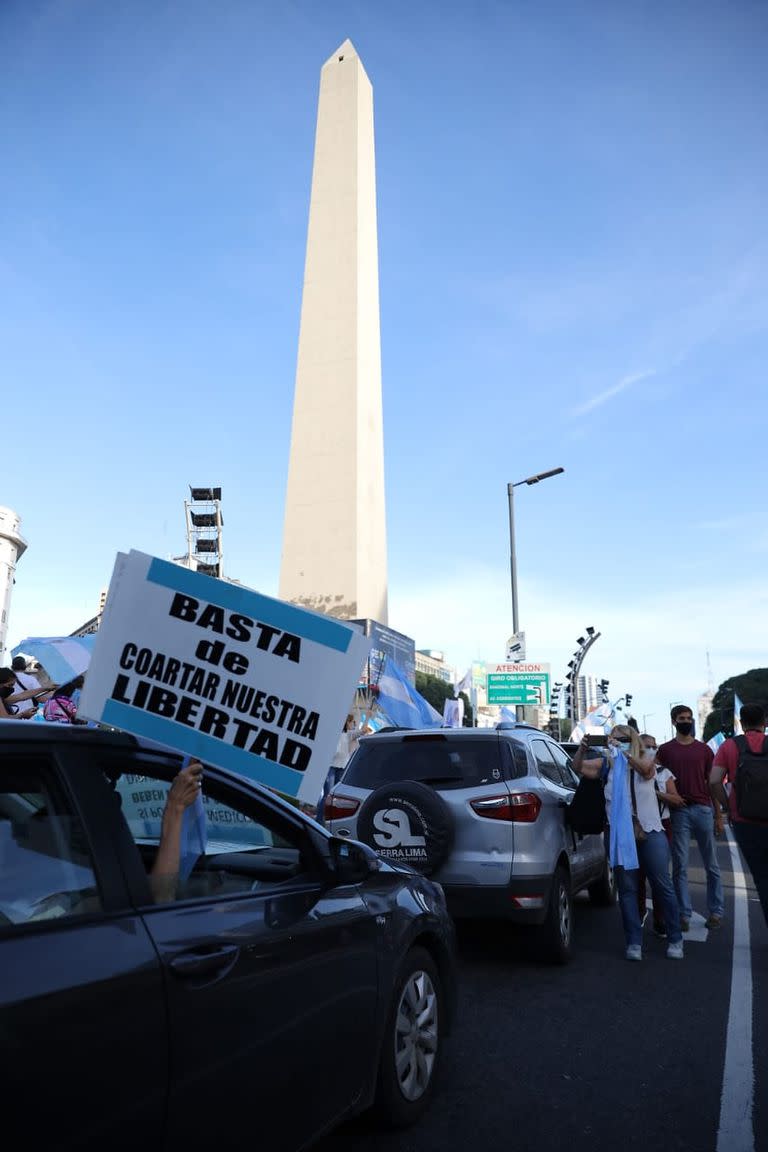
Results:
x,y
352,861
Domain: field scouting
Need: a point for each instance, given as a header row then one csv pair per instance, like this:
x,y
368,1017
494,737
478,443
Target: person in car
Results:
x,y
630,789
184,790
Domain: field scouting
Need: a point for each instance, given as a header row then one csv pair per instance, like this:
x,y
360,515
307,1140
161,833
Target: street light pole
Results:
x,y
519,710
513,556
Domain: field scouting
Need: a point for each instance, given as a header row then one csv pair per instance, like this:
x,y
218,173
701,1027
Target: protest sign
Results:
x,y
234,678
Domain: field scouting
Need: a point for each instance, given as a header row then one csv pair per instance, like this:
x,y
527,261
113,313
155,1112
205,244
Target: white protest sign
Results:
x,y
237,679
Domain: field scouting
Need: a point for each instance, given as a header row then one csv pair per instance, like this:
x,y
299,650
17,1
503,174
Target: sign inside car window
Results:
x,y
223,673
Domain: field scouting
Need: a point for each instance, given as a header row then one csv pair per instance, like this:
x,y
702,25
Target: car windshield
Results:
x,y
436,760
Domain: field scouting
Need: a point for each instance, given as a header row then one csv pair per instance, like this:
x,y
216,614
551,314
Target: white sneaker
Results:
x,y
635,952
675,951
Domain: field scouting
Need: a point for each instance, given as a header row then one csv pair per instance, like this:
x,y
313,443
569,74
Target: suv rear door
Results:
x,y
556,794
82,1010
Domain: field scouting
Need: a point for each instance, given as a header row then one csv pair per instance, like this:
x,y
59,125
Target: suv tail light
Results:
x,y
518,807
339,807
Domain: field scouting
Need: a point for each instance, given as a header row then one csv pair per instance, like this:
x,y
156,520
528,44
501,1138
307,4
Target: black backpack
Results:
x,y
586,812
751,783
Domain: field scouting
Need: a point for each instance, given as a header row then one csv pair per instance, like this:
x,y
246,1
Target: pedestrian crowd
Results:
x,y
659,798
24,697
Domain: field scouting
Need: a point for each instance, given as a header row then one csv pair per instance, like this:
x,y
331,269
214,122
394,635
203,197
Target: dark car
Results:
x,y
291,979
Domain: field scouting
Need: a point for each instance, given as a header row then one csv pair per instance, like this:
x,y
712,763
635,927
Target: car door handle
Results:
x,y
204,963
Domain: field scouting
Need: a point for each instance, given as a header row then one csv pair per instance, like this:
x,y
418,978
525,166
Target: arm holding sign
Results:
x,y
164,876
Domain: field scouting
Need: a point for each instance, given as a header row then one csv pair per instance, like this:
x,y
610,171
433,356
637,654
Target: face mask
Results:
x,y
625,745
684,727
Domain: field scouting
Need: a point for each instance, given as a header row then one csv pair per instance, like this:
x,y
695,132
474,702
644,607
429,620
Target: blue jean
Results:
x,y
653,856
696,820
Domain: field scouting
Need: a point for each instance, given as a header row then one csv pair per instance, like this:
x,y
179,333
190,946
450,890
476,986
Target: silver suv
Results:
x,y
484,813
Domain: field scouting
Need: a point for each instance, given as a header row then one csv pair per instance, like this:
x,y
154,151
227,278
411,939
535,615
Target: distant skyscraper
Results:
x,y
12,548
334,556
588,694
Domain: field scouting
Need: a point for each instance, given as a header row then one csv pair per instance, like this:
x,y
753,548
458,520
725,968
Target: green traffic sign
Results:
x,y
518,688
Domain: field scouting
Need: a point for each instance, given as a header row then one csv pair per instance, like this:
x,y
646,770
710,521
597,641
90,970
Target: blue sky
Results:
x,y
572,241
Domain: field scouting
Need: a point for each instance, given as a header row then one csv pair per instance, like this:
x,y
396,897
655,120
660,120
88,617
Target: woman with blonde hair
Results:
x,y
636,836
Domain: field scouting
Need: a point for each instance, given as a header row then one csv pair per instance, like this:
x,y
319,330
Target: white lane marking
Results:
x,y
736,1132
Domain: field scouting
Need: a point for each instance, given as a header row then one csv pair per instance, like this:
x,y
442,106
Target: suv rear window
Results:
x,y
436,760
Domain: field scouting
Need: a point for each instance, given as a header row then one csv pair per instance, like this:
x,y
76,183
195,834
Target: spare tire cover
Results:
x,y
407,823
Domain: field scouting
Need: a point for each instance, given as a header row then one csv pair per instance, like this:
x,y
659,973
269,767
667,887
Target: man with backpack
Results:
x,y
744,760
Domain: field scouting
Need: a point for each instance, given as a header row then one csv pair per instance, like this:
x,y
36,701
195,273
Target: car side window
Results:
x,y
514,760
46,870
546,765
230,844
568,776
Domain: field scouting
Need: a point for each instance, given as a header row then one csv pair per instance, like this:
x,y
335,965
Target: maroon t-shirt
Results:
x,y
690,765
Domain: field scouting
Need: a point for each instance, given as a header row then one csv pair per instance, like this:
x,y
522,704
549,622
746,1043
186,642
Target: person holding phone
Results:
x,y
637,807
10,698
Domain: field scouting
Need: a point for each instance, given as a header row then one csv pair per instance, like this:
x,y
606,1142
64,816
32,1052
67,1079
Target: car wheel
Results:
x,y
412,1044
603,891
557,929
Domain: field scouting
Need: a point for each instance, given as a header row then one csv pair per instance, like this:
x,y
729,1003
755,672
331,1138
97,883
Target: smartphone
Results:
x,y
597,740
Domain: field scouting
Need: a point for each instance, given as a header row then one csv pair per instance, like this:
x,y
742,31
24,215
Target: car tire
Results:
x,y
408,823
603,892
412,1045
556,933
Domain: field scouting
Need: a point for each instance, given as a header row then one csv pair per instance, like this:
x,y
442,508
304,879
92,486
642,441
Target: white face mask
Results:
x,y
625,746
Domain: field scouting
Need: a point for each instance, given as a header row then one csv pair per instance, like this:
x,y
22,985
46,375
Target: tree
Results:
x,y
435,691
751,688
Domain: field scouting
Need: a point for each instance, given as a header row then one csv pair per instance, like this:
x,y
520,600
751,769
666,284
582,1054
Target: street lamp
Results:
x,y
572,675
512,554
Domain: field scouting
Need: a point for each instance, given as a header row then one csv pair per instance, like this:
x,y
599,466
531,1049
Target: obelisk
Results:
x,y
334,556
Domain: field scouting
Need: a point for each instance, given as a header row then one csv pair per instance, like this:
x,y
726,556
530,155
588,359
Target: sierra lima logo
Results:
x,y
394,836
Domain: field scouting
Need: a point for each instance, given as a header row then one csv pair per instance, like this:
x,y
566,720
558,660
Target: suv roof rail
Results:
x,y
504,725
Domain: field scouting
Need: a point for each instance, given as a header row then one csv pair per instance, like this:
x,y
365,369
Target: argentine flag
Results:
x,y
401,703
737,729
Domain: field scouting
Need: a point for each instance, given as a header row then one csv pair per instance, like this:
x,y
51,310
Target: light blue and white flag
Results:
x,y
465,684
402,705
601,719
62,657
622,849
737,728
194,838
715,741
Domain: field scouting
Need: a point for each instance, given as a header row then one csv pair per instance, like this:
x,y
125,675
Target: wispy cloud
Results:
x,y
607,394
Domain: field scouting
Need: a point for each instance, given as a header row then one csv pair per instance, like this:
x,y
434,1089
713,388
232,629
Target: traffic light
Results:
x,y
629,701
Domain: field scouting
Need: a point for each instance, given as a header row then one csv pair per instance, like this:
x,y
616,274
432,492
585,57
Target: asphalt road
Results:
x,y
602,1054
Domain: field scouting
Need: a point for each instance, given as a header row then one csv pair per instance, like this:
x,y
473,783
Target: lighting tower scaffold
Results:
x,y
205,523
